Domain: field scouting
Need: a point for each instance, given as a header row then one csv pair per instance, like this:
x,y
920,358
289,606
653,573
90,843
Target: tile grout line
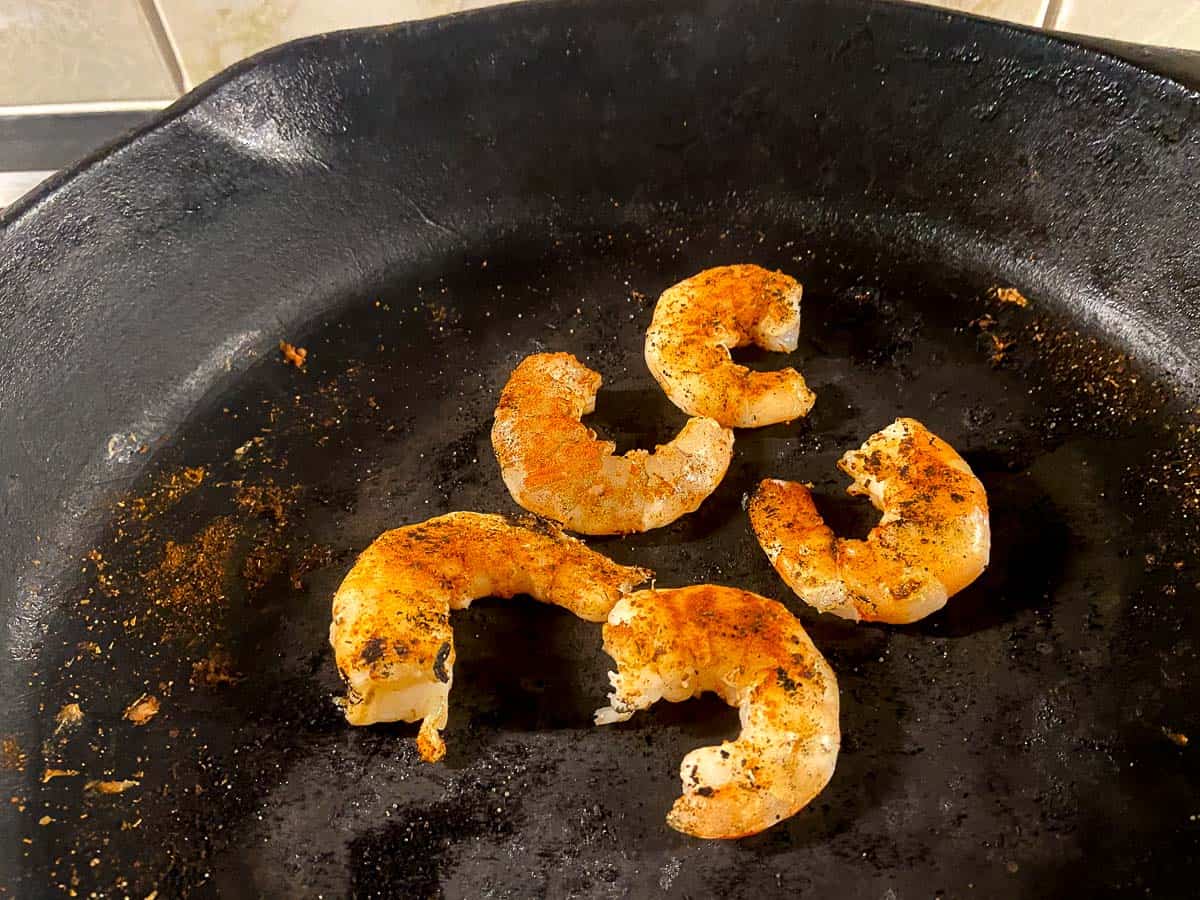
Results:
x,y
1054,9
84,107
165,44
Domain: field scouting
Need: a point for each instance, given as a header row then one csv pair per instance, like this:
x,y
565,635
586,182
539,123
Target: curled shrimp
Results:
x,y
555,466
391,630
752,652
931,542
698,321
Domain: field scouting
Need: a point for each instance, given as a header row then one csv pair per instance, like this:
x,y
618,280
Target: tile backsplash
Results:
x,y
1026,12
61,52
209,36
1167,23
128,51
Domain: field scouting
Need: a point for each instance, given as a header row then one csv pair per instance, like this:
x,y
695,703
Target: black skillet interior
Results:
x,y
419,208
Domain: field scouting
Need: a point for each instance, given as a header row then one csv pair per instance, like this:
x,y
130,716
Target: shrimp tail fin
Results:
x,y
430,743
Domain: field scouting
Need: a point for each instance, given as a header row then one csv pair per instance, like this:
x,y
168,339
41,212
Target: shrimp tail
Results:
x,y
430,743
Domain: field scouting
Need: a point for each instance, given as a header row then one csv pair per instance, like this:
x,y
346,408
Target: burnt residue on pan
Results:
x,y
210,590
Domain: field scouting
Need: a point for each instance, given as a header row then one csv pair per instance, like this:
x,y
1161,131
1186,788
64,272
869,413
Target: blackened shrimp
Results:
x,y
555,466
932,541
679,643
698,321
391,630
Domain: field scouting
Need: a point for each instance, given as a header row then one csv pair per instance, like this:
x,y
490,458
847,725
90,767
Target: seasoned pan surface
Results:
x,y
421,207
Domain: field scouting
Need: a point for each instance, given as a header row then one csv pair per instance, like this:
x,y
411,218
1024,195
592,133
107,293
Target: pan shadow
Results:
x,y
850,517
1030,542
638,419
521,666
871,756
663,735
866,770
867,767
757,359
644,419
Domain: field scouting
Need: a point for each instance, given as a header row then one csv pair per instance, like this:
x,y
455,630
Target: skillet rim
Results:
x,y
36,196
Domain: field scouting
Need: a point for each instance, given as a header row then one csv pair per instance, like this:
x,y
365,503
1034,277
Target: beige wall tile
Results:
x,y
58,51
1170,23
17,184
1026,12
210,35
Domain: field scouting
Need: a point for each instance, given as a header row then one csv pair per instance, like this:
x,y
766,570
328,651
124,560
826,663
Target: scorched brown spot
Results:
x,y
372,651
439,663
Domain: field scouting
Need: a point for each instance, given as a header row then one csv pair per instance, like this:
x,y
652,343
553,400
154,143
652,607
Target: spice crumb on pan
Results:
x,y
96,786
262,565
245,448
293,355
214,669
104,581
12,757
1175,468
189,585
1010,295
1178,738
190,581
312,558
1000,348
1000,343
266,499
142,710
169,489
1099,377
68,717
51,774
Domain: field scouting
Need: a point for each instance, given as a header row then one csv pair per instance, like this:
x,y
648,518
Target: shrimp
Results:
x,y
932,541
752,652
555,466
698,321
391,630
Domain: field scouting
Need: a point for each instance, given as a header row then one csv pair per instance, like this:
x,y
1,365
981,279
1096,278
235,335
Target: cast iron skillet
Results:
x,y
422,206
